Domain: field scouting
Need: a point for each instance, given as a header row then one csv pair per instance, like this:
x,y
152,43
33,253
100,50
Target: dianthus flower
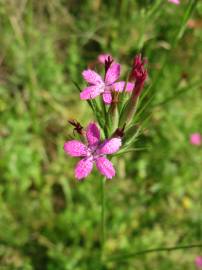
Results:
x,y
176,2
196,138
198,262
104,87
94,151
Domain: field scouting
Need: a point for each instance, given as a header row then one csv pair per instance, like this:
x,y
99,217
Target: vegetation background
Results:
x,y
47,219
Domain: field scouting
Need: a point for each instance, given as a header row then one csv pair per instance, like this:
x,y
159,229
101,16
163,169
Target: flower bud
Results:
x,y
139,75
119,132
78,128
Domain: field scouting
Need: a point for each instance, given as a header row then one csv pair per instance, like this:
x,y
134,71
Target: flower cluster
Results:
x,y
113,116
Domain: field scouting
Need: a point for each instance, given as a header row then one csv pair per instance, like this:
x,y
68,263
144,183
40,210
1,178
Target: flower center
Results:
x,y
102,86
92,152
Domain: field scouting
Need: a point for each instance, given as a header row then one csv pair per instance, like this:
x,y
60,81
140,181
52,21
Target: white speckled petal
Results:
x,y
83,168
93,134
75,148
105,167
110,146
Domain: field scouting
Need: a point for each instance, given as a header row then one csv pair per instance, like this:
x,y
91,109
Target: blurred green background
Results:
x,y
47,219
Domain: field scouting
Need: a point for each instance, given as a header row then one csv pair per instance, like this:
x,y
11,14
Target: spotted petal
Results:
x,y
113,73
75,148
83,168
119,86
105,167
92,77
107,97
93,134
91,92
110,146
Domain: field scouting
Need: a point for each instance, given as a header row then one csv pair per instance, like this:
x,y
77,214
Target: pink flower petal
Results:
x,y
110,146
113,73
93,134
103,57
105,167
198,261
107,97
176,2
119,86
92,77
75,148
83,168
91,92
196,139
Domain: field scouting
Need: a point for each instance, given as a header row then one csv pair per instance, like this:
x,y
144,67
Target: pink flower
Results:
x,y
198,261
196,139
176,2
103,57
94,152
104,87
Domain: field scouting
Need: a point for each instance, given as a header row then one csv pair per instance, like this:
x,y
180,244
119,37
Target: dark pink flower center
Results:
x,y
93,152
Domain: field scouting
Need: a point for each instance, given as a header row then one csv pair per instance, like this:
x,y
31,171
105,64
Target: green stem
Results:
x,y
190,8
168,249
149,15
102,216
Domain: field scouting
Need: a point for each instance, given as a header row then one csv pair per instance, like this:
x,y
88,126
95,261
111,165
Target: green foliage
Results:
x,y
47,219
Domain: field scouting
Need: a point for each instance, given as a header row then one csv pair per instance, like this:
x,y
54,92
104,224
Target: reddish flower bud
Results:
x,y
77,126
108,62
119,132
138,73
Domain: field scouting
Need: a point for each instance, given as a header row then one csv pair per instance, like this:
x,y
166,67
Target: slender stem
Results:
x,y
102,216
191,87
190,8
148,17
167,249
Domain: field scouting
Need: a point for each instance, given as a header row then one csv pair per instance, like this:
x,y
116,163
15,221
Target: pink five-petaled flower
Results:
x,y
94,152
198,262
176,2
196,138
98,86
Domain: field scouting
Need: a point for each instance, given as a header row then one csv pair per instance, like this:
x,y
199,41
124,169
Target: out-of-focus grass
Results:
x,y
48,220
